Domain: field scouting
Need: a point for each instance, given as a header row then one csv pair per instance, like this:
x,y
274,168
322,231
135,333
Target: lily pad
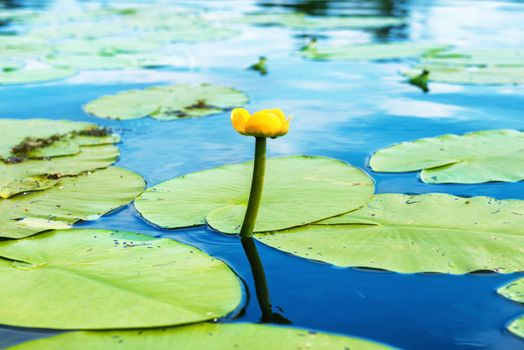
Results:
x,y
366,52
420,233
84,197
477,157
298,190
168,102
107,46
491,75
35,75
7,65
515,291
88,30
478,57
204,336
101,279
114,61
18,46
14,132
301,21
41,174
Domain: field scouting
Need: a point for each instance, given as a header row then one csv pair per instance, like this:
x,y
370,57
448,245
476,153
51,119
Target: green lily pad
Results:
x,y
515,291
477,157
84,197
41,174
491,75
35,75
370,51
115,61
107,46
301,21
7,65
14,132
478,57
517,327
168,102
420,233
101,279
204,336
88,30
17,46
191,34
298,190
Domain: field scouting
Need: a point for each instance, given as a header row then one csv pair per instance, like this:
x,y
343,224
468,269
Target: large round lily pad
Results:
x,y
482,156
168,102
298,190
101,279
15,132
107,46
301,21
370,51
84,197
40,174
515,291
420,233
204,336
35,75
18,46
491,75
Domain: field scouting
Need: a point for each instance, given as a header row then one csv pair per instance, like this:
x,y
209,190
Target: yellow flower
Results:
x,y
265,123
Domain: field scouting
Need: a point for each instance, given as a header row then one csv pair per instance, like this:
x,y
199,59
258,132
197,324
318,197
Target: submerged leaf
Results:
x,y
420,233
298,190
168,102
84,197
101,279
477,157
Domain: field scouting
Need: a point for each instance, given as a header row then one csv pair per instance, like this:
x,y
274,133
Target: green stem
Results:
x,y
257,186
259,276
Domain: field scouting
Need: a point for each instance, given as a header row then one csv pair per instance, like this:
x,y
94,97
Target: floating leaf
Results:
x,y
41,174
14,132
13,46
35,75
107,46
370,51
517,327
478,57
482,156
168,102
301,21
7,65
204,336
115,61
88,30
420,233
470,75
515,291
191,34
84,197
101,279
298,190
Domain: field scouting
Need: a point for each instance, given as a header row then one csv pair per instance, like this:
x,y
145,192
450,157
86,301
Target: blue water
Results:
x,y
342,110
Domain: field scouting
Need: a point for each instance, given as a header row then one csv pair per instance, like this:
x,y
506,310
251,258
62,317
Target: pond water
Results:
x,y
341,110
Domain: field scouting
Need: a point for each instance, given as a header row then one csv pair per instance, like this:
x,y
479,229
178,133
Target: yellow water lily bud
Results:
x,y
265,123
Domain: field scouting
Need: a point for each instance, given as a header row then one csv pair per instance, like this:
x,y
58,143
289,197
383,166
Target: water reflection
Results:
x,y
261,287
393,8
